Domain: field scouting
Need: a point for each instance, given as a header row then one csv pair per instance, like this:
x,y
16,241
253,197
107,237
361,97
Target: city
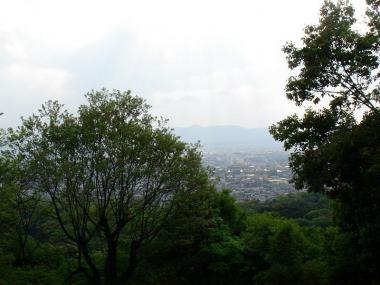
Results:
x,y
249,174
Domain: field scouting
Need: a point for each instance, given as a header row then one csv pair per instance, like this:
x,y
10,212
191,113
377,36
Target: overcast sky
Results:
x,y
196,62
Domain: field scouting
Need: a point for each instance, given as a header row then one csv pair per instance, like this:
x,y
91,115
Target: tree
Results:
x,y
197,245
285,256
334,151
23,216
110,171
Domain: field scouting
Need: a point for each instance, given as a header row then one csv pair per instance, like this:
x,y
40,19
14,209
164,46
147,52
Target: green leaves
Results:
x,y
334,152
335,61
110,170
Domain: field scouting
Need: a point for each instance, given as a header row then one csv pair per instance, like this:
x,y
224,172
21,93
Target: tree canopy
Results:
x,y
335,150
111,171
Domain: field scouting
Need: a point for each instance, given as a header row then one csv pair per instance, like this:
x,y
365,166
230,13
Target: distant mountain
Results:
x,y
229,137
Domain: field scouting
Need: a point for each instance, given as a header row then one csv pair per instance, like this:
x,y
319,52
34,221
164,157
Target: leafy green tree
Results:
x,y
112,171
172,257
230,212
256,239
197,244
285,256
335,152
28,253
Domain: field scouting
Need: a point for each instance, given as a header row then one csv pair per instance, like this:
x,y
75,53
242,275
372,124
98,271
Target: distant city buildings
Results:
x,y
250,175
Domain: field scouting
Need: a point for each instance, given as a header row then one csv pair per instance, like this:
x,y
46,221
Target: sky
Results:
x,y
199,62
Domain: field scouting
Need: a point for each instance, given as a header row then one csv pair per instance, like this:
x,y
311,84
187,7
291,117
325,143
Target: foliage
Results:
x,y
112,171
311,209
199,243
335,152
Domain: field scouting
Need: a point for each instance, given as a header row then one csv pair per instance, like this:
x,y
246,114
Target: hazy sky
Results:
x,y
196,62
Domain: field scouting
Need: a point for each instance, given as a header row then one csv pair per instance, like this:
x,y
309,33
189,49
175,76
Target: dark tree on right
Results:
x,y
336,144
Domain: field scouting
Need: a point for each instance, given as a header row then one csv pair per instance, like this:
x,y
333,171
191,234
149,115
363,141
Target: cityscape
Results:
x,y
250,174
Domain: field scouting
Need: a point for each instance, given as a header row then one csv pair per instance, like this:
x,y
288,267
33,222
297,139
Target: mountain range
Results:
x,y
231,137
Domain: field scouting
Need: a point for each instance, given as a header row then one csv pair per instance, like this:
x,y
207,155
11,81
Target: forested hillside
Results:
x,y
207,239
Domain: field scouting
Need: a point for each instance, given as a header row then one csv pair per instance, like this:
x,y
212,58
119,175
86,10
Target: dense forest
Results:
x,y
109,195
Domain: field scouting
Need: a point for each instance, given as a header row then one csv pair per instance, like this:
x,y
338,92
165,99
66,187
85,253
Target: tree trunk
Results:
x,y
128,273
21,256
95,272
110,266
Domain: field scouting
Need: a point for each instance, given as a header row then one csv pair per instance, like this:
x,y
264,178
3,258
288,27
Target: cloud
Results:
x,y
196,62
25,83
